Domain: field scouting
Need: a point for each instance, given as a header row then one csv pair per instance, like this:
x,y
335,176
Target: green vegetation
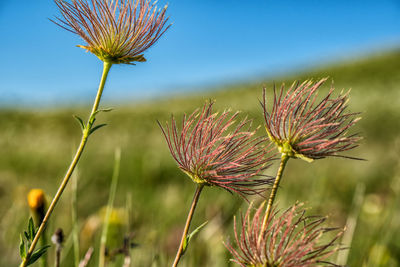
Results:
x,y
36,146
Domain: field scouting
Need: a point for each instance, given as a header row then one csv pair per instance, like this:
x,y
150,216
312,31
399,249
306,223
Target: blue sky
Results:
x,y
210,43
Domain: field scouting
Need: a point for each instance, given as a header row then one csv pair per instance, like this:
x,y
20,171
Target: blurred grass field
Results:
x,y
153,196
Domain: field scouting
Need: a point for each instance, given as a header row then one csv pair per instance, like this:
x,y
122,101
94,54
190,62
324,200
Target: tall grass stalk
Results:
x,y
85,136
43,261
128,210
67,247
110,204
351,224
380,254
86,259
74,216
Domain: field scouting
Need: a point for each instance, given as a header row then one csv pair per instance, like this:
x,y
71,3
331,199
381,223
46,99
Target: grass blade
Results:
x,y
113,189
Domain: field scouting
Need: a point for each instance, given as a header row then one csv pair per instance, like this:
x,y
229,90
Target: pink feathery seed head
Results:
x,y
289,240
116,31
213,154
305,128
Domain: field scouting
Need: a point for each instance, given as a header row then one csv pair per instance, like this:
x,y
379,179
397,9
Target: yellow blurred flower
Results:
x,y
36,198
37,203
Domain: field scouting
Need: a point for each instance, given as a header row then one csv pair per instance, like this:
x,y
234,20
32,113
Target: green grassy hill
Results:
x,y
36,147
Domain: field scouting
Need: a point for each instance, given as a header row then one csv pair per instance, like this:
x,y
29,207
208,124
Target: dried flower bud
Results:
x,y
58,237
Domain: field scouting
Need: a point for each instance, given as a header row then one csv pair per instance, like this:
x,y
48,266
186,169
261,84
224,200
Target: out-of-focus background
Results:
x,y
222,50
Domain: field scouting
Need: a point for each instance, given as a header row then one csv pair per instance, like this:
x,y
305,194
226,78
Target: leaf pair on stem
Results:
x,y
25,243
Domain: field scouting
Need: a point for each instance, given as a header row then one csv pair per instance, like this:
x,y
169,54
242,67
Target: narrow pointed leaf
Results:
x,y
37,254
80,121
22,248
105,110
191,235
102,110
97,127
92,120
27,235
31,229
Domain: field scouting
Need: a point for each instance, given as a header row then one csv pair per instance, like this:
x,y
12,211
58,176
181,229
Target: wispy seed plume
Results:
x,y
213,154
289,240
116,31
304,128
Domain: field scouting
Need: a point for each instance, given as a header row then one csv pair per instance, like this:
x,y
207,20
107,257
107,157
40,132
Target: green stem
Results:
x,y
85,136
106,69
284,159
180,251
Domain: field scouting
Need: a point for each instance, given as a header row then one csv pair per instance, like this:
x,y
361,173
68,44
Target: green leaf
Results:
x,y
31,229
190,236
27,235
185,245
105,110
101,110
22,248
96,128
80,121
92,120
37,254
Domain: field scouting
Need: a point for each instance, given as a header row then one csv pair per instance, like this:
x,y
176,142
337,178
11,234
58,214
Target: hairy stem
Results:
x,y
187,225
284,159
85,136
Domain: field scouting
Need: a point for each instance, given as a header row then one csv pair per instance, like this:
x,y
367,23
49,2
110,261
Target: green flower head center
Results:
x,y
196,177
285,147
117,57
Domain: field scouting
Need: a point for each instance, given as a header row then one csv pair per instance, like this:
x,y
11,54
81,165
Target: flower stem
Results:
x,y
187,225
58,256
284,159
85,136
